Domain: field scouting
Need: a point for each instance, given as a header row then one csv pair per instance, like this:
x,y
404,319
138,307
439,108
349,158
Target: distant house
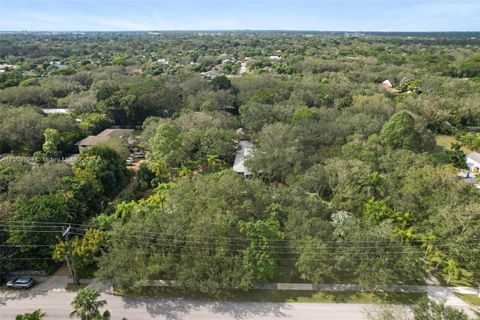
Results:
x,y
473,162
244,149
55,110
7,66
387,86
212,74
103,136
163,61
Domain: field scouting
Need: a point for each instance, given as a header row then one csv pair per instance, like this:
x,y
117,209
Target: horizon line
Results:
x,y
248,30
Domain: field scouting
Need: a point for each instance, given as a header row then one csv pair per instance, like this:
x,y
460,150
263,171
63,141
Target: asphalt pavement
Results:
x,y
57,306
51,297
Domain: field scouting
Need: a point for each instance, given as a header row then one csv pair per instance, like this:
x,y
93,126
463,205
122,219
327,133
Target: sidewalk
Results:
x,y
355,287
435,292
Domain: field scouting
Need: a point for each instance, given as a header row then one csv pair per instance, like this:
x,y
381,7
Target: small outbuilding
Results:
x,y
387,86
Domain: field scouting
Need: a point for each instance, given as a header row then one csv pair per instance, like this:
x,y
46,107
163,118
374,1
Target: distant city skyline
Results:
x,y
313,15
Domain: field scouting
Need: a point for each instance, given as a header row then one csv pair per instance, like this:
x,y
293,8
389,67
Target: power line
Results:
x,y
204,245
243,250
144,235
229,250
26,245
81,227
29,258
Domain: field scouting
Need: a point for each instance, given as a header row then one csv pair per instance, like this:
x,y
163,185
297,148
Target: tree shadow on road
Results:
x,y
178,308
247,310
171,309
12,294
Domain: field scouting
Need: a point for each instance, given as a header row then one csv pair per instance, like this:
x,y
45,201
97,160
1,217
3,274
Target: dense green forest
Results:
x,y
351,179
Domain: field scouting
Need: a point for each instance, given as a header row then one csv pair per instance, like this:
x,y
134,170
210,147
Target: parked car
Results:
x,y
138,154
21,283
129,161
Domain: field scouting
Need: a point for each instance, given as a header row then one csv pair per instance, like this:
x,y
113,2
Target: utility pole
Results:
x,y
70,262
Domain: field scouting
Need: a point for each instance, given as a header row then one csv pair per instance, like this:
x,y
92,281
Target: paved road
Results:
x,y
57,306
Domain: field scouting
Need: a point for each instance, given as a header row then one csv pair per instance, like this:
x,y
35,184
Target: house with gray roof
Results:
x,y
244,150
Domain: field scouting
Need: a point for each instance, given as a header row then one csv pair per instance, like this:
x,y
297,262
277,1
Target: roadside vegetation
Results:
x,y
264,295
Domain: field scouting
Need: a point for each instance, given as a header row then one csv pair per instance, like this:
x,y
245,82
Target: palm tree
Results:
x,y
452,270
86,306
35,315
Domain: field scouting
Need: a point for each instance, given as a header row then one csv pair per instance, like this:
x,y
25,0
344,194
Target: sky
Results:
x,y
319,15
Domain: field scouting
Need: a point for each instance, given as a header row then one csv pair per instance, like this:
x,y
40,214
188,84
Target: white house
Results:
x,y
388,86
473,162
55,110
163,61
244,149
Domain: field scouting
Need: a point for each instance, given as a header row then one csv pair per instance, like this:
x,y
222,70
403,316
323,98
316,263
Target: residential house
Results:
x,y
473,162
55,110
244,150
212,74
104,136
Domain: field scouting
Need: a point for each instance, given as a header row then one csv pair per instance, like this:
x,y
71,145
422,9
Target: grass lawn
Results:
x,y
465,278
286,296
472,299
445,142
328,297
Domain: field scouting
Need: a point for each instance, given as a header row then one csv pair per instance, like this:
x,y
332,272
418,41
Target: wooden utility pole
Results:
x,y
70,262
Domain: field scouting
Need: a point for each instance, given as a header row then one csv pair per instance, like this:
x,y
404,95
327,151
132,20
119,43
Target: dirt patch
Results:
x,y
136,165
62,271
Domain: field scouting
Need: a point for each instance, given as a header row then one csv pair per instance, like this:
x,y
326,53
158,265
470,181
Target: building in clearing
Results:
x,y
244,149
387,86
104,136
473,162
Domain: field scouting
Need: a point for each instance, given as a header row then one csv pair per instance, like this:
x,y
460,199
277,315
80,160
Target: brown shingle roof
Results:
x,y
103,136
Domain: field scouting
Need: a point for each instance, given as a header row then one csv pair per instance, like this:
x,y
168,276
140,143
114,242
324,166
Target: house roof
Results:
x,y
115,133
91,141
55,110
212,73
387,86
103,136
475,156
244,149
